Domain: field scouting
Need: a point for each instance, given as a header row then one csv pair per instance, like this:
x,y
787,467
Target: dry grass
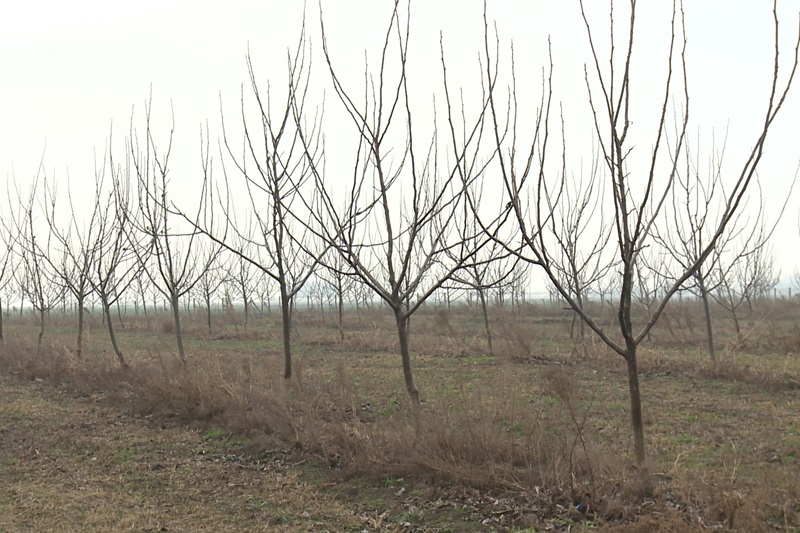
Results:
x,y
541,428
78,465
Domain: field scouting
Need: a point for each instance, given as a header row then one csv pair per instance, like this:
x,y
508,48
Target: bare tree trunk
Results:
x,y
119,315
484,308
286,315
41,331
737,327
144,310
208,312
176,314
707,314
411,386
79,341
629,354
1,320
637,423
113,336
339,302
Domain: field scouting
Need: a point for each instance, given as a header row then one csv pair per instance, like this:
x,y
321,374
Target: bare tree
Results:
x,y
241,273
274,171
317,293
746,272
490,267
74,254
689,224
173,260
6,267
687,227
649,284
639,194
393,225
263,291
340,284
35,278
116,265
141,292
580,235
210,282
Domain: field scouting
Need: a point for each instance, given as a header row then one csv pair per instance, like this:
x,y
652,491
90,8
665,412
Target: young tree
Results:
x,y
241,273
35,278
393,226
74,254
115,265
210,282
688,226
638,193
6,267
745,268
274,172
491,268
341,284
576,223
263,290
174,261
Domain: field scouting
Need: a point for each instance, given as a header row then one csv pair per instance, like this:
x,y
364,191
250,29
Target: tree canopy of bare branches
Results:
x,y
392,224
638,186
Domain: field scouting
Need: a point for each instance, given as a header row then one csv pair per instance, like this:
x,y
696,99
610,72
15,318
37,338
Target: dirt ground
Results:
x,y
76,463
73,464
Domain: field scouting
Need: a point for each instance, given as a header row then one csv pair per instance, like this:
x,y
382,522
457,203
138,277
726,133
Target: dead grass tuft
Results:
x,y
743,372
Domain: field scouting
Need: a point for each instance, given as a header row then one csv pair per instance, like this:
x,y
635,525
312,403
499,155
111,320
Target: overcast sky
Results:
x,y
70,69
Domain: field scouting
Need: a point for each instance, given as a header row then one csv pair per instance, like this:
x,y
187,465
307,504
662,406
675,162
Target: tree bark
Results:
x,y
340,305
41,331
411,386
286,316
113,336
737,327
709,328
637,423
208,312
176,314
488,329
79,341
119,315
245,297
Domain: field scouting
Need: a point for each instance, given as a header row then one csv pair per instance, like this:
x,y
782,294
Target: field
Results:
x,y
533,438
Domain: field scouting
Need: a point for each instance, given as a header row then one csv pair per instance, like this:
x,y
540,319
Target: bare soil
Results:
x,y
76,464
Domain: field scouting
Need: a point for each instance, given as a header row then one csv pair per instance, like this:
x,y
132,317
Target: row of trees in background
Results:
x,y
420,215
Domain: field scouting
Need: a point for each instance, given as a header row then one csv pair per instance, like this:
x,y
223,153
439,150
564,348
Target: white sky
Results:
x,y
68,69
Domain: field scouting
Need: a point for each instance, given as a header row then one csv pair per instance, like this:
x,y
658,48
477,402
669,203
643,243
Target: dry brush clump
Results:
x,y
768,501
485,441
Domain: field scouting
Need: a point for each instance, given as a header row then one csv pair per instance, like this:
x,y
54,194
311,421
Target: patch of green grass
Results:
x,y
516,428
413,516
124,455
549,400
390,481
685,439
214,434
